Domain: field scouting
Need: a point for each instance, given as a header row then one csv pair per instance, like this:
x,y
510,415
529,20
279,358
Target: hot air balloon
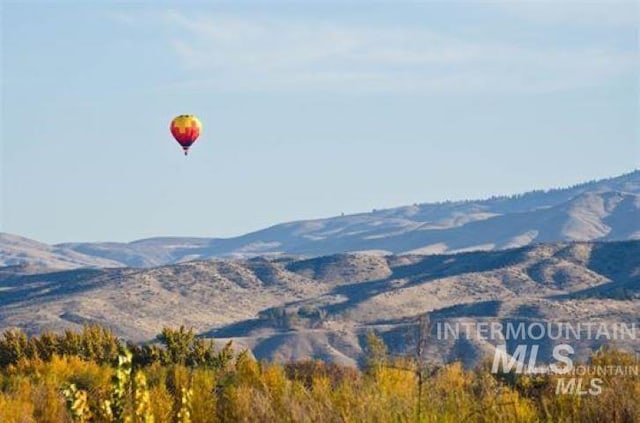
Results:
x,y
186,130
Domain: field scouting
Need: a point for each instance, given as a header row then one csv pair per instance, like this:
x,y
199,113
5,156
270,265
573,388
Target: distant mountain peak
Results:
x,y
598,210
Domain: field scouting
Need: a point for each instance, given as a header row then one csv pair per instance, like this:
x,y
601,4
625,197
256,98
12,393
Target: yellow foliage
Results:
x,y
16,409
245,390
161,404
204,401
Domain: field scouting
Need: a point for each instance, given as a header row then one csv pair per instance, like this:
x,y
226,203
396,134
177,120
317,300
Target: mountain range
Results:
x,y
315,288
323,307
603,210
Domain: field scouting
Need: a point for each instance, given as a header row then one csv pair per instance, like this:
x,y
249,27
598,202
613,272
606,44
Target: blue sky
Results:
x,y
309,109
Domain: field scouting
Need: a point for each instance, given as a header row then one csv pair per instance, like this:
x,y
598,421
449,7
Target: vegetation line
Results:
x,y
92,376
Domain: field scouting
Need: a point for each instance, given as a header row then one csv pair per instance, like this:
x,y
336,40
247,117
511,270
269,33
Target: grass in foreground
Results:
x,y
91,377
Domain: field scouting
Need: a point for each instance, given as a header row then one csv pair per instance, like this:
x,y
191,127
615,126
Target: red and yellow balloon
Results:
x,y
186,130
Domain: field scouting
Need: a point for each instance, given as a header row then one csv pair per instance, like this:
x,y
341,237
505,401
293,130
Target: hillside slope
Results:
x,y
288,308
601,210
16,250
606,210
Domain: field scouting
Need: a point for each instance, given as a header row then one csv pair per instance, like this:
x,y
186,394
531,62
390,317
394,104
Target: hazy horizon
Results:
x,y
336,215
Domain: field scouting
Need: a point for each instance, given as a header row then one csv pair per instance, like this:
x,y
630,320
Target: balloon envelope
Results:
x,y
186,130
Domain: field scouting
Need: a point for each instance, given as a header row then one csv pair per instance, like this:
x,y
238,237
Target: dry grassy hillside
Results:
x,y
604,210
290,308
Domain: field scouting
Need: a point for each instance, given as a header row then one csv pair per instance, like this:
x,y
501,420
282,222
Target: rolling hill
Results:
x,y
19,251
314,288
605,210
287,308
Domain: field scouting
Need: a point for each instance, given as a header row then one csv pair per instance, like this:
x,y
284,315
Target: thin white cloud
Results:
x,y
228,53
594,13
